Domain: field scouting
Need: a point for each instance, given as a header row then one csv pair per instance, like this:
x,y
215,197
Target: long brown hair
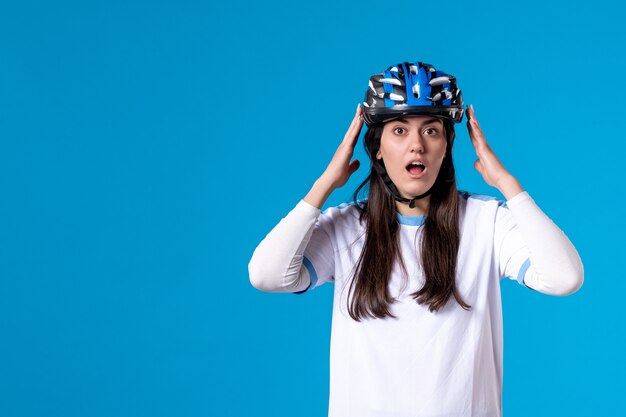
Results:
x,y
439,243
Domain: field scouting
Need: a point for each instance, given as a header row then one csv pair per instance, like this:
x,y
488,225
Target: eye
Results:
x,y
399,128
435,131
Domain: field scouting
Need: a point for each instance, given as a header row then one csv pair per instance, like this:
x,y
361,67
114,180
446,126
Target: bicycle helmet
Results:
x,y
418,89
412,88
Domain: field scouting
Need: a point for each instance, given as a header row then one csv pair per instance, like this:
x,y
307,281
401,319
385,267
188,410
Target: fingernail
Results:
x,y
357,106
472,107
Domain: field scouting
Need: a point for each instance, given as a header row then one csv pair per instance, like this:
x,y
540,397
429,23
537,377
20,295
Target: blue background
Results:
x,y
148,147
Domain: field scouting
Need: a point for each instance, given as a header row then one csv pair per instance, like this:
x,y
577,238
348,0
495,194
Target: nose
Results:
x,y
417,142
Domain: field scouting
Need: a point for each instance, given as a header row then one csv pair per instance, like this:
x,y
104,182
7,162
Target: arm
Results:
x,y
555,267
277,264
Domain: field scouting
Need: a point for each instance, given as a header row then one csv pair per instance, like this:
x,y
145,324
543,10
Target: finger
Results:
x,y
354,165
473,123
352,135
488,160
478,166
357,114
476,133
472,134
475,126
353,132
355,119
470,112
483,151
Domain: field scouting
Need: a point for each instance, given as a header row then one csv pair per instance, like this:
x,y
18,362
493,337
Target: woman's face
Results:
x,y
408,139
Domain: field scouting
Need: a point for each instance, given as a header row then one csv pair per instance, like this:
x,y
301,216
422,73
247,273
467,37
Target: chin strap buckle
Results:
x,y
412,203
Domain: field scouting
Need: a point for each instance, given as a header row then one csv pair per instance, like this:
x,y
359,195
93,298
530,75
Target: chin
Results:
x,y
415,191
413,187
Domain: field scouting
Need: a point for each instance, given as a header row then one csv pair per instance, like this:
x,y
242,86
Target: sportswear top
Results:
x,y
446,363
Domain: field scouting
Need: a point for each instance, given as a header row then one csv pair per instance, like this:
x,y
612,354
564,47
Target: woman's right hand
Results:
x,y
340,168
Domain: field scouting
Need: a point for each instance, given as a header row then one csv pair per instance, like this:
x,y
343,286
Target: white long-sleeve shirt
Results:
x,y
446,363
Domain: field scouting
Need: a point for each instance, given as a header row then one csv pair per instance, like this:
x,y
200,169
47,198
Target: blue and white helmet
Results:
x,y
412,88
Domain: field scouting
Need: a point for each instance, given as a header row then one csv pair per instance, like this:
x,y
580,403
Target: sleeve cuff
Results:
x,y
518,199
307,208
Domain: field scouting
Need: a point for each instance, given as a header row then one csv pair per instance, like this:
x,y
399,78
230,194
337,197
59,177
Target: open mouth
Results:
x,y
416,168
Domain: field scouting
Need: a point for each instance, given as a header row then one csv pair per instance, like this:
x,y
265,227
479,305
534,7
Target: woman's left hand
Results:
x,y
488,164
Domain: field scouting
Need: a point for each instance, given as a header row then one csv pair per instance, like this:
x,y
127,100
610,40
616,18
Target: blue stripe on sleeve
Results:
x,y
522,272
309,267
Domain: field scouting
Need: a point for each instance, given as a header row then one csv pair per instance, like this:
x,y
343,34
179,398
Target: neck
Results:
x,y
420,209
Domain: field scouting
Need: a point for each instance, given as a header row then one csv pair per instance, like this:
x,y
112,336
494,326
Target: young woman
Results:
x,y
417,314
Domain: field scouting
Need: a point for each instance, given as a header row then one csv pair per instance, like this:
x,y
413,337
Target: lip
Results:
x,y
420,175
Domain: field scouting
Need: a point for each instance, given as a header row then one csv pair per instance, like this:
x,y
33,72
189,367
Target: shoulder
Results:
x,y
348,209
480,200
481,209
345,214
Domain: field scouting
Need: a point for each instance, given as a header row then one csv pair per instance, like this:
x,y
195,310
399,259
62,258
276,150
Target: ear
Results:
x,y
379,155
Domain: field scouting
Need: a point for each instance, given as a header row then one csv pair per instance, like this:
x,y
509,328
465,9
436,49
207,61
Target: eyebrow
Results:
x,y
429,121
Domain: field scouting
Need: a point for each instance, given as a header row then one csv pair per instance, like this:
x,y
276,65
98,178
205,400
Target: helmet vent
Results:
x,y
443,95
416,90
390,81
439,81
